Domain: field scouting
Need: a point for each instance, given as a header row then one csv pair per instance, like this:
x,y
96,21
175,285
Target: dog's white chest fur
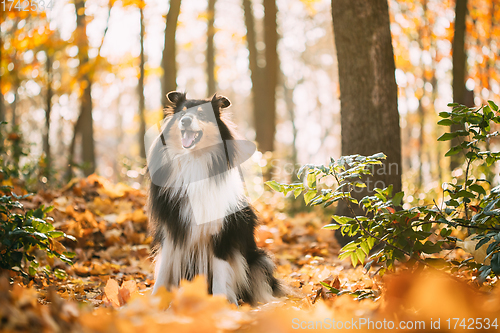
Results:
x,y
210,200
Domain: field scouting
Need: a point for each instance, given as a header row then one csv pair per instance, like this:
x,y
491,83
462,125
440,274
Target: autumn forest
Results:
x,y
364,134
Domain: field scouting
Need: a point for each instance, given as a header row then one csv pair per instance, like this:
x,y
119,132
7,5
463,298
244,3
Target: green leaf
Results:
x,y
448,136
477,188
484,272
331,226
444,114
465,194
297,192
453,151
378,156
55,234
491,247
354,259
60,274
371,242
360,254
330,288
398,197
482,242
311,180
274,185
365,247
342,219
309,196
445,122
368,265
344,255
495,263
493,106
70,237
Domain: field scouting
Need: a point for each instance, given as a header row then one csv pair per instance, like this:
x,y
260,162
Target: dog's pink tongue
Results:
x,y
187,138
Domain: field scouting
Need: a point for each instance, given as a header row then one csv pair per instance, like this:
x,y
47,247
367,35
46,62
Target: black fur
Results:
x,y
237,233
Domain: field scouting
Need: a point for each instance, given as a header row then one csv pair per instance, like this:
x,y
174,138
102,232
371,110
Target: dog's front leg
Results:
x,y
223,280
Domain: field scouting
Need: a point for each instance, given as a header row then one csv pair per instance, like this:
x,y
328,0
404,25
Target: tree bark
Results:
x,y
264,79
211,84
86,126
368,91
266,116
48,109
459,59
2,105
422,31
13,106
169,51
256,72
140,88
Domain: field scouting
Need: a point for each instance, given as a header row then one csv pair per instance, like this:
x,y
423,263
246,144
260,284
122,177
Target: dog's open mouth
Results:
x,y
190,138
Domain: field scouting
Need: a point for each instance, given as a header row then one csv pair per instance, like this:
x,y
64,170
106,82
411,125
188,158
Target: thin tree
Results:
x,y
2,105
211,82
423,32
264,78
169,51
256,72
368,91
48,109
459,58
267,119
140,88
84,126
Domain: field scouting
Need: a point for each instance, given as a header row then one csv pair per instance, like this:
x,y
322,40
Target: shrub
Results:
x,y
413,235
22,231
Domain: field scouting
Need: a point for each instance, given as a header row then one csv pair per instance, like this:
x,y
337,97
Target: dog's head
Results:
x,y
195,123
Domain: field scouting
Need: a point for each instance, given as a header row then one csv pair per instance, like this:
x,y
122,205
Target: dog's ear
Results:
x,y
176,97
221,101
225,102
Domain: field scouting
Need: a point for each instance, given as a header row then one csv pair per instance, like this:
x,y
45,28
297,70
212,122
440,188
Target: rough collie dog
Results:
x,y
201,219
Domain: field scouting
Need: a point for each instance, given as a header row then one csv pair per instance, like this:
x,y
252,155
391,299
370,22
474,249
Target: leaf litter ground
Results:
x,y
108,289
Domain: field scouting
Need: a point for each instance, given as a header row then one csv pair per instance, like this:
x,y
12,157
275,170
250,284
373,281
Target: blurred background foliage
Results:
x,y
83,80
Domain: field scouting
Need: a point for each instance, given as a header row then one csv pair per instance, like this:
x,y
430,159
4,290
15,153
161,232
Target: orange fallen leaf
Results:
x,y
127,289
112,294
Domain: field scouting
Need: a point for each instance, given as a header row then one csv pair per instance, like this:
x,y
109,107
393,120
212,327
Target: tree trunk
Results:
x,y
2,105
266,117
142,117
48,108
86,126
422,31
211,86
256,72
13,106
169,51
368,91
459,59
72,145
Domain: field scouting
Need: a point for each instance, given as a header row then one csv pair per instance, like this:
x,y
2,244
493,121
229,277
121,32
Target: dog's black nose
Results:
x,y
186,121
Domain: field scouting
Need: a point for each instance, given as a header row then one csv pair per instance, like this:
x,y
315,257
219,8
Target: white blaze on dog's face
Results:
x,y
197,127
